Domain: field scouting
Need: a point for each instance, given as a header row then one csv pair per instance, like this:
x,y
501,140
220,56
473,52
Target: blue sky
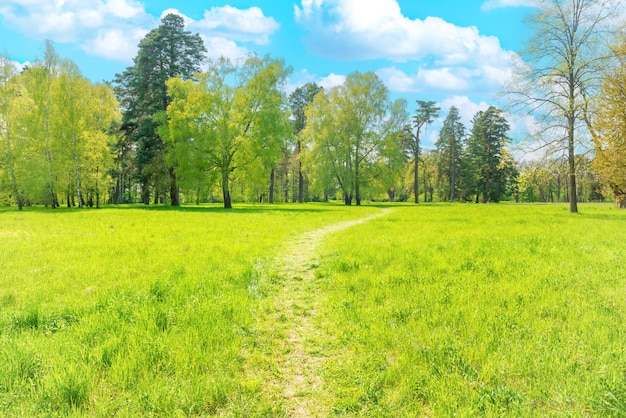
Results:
x,y
456,52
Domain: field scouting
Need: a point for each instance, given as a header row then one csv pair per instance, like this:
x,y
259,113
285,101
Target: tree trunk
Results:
x,y
174,195
145,192
347,199
622,203
300,176
416,184
392,195
453,173
225,191
272,180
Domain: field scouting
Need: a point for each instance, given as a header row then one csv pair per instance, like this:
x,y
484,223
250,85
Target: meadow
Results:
x,y
430,310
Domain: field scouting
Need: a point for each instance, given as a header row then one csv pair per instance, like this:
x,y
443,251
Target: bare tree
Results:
x,y
562,71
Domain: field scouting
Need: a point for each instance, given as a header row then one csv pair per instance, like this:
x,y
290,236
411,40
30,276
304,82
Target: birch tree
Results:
x,y
14,108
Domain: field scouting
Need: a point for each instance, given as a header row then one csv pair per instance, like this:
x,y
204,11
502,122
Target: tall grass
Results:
x,y
500,310
474,310
135,311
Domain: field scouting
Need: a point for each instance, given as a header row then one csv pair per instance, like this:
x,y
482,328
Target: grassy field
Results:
x,y
478,310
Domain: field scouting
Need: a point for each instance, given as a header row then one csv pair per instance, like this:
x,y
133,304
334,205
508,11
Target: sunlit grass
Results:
x,y
135,311
475,310
478,310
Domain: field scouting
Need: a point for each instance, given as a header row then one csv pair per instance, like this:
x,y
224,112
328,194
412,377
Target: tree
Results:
x,y
610,140
227,119
424,116
391,156
563,64
298,100
165,52
346,126
488,161
14,109
450,149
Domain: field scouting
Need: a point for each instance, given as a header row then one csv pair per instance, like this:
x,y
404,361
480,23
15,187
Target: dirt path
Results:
x,y
296,304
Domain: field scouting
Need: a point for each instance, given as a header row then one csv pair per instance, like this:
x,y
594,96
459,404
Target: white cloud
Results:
x,y
244,25
302,77
113,28
115,44
398,81
467,108
375,29
218,47
331,80
500,4
444,56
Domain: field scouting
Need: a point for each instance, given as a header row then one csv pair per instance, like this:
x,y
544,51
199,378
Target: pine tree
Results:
x,y
166,52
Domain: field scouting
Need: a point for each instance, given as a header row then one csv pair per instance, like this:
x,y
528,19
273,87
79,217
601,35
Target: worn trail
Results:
x,y
294,311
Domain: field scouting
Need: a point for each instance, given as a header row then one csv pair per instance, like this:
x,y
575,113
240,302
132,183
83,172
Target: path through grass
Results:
x,y
293,315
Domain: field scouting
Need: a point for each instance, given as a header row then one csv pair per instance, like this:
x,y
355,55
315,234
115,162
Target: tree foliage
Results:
x,y
56,128
610,140
347,126
489,164
425,114
229,118
450,152
165,52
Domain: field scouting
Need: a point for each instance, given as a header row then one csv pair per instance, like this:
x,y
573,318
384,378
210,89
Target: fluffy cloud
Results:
x,y
113,28
467,108
303,76
376,29
444,56
500,4
249,25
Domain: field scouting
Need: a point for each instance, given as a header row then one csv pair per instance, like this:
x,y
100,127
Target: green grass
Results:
x,y
499,310
136,311
478,310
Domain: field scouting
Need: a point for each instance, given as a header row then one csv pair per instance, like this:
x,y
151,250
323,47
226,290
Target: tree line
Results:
x,y
175,128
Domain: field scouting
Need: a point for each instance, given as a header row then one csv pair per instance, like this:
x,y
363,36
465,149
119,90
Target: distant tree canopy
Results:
x,y
56,127
167,132
610,138
230,118
347,126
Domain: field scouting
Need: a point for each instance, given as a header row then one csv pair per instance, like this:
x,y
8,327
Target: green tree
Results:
x,y
14,109
298,100
565,55
424,115
392,158
40,80
230,118
450,152
346,126
610,140
165,52
488,162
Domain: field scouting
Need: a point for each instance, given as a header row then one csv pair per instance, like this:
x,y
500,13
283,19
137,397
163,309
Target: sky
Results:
x,y
455,52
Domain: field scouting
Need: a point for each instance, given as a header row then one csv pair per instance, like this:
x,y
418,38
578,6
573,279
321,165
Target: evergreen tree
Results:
x,y
450,152
487,172
166,52
424,116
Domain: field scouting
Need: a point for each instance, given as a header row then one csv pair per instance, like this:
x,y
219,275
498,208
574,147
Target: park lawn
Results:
x,y
477,310
137,311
